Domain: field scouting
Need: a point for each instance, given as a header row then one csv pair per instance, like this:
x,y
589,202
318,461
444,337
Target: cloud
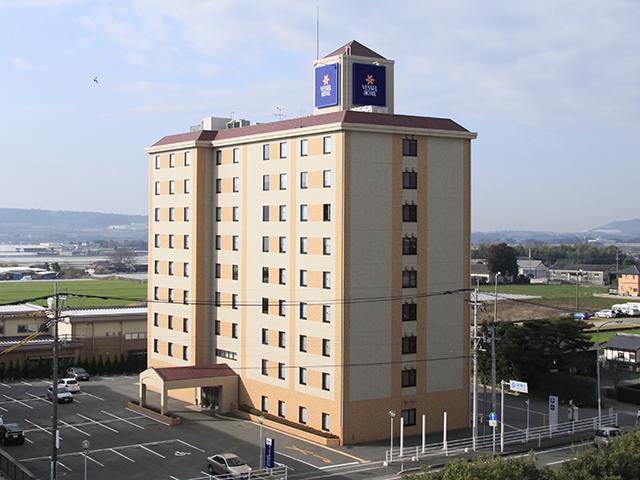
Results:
x,y
23,64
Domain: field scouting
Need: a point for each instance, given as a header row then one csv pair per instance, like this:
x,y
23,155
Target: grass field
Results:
x,y
560,295
116,292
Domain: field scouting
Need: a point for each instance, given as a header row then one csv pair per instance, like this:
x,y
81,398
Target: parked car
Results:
x,y
605,435
581,316
606,313
228,463
64,395
70,383
78,373
11,433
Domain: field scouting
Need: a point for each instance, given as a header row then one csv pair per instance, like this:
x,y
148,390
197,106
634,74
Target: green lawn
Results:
x,y
119,292
607,334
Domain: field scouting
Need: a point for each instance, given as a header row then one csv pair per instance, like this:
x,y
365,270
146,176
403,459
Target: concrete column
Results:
x,y
164,400
143,394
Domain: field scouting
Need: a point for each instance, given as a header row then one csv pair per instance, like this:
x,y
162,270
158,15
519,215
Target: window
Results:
x,y
265,404
409,279
155,345
265,305
326,346
218,185
326,178
170,349
236,184
282,338
236,155
303,343
171,240
234,302
303,213
156,266
283,213
234,330
157,162
410,180
409,417
265,152
409,213
170,295
265,244
218,242
226,354
186,214
326,381
303,278
326,145
265,274
409,311
283,276
326,313
218,214
408,378
156,320
326,422
280,408
157,188
156,240
326,279
408,345
186,242
185,352
172,187
302,376
265,336
236,214
283,244
170,322
157,215
218,157
282,309
281,371
409,246
172,160
217,300
303,245
302,416
283,149
185,325
187,186
171,214
326,212
234,272
303,310
217,327
303,179
235,240
283,181
187,158
326,246
265,367
409,147
265,182
170,268
304,148
265,213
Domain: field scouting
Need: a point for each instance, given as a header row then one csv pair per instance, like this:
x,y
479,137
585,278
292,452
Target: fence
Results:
x,y
277,473
12,469
465,445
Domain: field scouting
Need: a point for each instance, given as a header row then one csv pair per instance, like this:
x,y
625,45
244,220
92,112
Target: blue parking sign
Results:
x,y
270,448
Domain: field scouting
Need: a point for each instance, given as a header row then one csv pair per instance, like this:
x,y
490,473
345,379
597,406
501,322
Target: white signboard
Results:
x,y
516,386
553,413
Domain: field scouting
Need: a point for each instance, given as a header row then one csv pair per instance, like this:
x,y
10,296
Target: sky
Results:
x,y
552,89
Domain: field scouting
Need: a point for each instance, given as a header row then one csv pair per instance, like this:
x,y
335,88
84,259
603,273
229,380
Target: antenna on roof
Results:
x,y
317,33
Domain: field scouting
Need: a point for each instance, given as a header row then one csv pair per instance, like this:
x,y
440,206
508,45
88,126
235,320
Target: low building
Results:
x,y
622,350
629,281
593,275
531,268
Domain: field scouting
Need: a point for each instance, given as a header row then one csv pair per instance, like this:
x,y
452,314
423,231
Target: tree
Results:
x,y
502,258
120,255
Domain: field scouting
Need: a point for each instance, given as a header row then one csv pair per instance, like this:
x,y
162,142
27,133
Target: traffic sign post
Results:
x,y
493,422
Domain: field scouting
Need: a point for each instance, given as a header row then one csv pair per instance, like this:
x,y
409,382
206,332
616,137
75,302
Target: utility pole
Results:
x,y
493,368
476,344
54,303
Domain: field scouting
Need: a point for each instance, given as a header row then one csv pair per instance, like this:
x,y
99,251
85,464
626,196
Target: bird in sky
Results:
x,y
95,79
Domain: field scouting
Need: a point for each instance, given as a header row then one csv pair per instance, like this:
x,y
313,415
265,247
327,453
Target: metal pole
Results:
x,y
424,431
577,289
391,414
502,418
54,399
493,348
85,445
598,367
261,420
475,367
527,402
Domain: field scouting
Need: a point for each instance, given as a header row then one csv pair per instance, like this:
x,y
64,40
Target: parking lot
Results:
x,y
125,444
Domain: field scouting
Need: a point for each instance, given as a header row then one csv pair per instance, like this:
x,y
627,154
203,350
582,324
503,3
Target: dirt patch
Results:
x,y
515,311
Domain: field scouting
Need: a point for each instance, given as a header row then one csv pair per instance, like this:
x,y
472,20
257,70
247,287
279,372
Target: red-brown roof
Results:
x,y
204,135
356,49
195,371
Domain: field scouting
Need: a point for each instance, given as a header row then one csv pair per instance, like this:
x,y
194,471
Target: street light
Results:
x,y
391,415
578,273
85,445
598,367
261,420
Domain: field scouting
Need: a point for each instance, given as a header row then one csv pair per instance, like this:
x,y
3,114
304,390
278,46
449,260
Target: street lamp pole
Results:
x,y
261,420
493,347
85,445
578,273
598,367
391,415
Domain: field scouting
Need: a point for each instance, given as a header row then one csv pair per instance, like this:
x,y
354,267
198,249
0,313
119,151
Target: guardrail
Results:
x,y
466,445
276,473
12,469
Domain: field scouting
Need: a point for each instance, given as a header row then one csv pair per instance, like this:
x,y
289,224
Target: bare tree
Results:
x,y
120,255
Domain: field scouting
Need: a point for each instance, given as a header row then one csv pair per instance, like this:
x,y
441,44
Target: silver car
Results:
x,y
70,383
64,395
605,435
228,463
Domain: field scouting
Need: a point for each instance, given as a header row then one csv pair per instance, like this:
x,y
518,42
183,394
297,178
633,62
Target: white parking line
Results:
x,y
37,426
5,385
4,409
26,383
107,378
149,450
98,423
191,446
75,428
124,456
15,400
63,465
123,419
37,397
95,461
92,396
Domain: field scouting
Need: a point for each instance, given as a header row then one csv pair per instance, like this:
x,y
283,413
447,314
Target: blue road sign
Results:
x,y
493,416
270,448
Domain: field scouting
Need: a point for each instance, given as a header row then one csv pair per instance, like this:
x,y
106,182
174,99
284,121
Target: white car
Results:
x,y
64,395
606,313
71,384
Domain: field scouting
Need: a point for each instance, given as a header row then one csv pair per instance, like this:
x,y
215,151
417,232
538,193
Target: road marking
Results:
x,y
38,426
189,445
27,383
561,461
37,397
124,456
63,465
93,396
95,461
4,409
328,467
107,378
75,428
5,385
124,420
149,450
305,452
18,401
98,423
28,440
297,459
181,454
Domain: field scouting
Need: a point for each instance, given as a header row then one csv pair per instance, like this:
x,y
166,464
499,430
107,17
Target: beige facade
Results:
x,y
327,257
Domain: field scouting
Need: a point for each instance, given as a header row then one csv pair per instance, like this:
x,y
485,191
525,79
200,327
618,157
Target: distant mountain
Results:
x,y
625,228
48,218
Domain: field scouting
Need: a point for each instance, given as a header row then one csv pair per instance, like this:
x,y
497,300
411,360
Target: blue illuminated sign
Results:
x,y
369,85
270,450
327,85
